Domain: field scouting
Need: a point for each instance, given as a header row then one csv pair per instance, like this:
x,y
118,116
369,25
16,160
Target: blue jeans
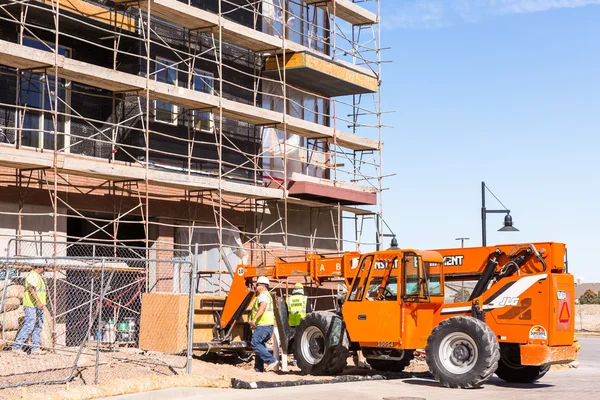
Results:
x,y
34,321
260,337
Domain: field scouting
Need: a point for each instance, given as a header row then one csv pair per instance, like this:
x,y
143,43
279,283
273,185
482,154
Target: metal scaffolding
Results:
x,y
184,121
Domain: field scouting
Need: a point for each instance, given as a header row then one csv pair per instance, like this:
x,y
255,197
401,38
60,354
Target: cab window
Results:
x,y
358,287
433,278
411,275
383,283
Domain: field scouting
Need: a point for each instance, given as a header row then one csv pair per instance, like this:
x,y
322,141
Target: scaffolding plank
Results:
x,y
194,18
101,169
18,56
317,204
328,191
357,143
14,56
312,130
346,10
181,13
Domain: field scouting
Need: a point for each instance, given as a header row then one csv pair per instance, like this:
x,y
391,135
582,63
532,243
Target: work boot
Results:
x,y
275,367
18,351
38,352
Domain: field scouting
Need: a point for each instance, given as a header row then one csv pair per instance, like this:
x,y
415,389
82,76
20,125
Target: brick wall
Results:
x,y
163,250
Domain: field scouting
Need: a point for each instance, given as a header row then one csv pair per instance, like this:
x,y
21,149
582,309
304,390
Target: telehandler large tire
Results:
x,y
462,352
321,344
392,365
511,370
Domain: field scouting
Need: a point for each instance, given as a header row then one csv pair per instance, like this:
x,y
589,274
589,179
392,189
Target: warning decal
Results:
x,y
564,315
538,332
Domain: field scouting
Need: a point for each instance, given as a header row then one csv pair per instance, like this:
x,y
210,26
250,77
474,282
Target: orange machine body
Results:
x,y
396,297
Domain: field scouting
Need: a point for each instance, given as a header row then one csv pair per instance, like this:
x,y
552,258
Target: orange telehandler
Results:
x,y
517,321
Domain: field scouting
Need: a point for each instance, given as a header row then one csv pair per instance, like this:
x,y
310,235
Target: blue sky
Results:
x,y
505,91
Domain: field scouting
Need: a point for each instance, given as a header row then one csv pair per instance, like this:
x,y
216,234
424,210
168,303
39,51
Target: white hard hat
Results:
x,y
264,280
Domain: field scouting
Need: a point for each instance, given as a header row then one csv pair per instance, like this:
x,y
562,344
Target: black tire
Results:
x,y
511,370
462,352
392,365
321,344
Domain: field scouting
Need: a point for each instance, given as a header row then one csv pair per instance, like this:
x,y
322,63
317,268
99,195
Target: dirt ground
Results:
x,y
217,372
587,317
132,365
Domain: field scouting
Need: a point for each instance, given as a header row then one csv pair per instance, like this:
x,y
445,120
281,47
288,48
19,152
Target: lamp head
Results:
x,y
508,225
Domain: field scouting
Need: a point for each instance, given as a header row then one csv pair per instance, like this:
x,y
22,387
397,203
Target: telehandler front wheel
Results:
x,y
511,370
321,344
462,352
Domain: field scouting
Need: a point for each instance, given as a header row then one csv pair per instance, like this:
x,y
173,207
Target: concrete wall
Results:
x,y
301,221
34,227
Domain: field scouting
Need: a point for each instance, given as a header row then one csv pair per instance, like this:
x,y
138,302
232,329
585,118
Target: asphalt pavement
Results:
x,y
582,383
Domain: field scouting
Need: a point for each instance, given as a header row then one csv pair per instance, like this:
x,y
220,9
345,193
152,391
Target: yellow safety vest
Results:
x,y
40,289
268,317
296,309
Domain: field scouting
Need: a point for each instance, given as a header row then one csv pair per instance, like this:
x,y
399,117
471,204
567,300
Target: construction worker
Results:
x,y
297,305
34,301
262,319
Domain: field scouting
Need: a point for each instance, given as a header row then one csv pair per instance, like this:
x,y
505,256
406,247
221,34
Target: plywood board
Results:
x,y
163,322
204,306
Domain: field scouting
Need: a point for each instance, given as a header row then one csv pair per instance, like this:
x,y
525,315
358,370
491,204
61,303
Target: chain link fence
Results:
x,y
98,295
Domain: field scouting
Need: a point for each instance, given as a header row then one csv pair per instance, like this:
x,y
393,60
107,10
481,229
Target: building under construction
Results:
x,y
246,129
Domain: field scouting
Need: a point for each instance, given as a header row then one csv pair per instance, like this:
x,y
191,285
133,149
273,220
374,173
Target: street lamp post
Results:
x,y
508,224
462,240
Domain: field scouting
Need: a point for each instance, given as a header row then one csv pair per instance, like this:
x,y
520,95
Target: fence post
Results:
x,y
4,291
191,310
99,328
91,311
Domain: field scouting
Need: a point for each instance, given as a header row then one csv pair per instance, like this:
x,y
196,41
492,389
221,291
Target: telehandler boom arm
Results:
x,y
317,268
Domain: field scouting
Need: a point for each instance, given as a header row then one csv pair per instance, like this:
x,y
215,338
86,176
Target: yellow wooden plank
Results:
x,y
324,66
294,60
341,72
95,12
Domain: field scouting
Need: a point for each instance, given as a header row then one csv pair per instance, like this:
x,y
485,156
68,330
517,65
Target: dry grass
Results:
x,y
136,385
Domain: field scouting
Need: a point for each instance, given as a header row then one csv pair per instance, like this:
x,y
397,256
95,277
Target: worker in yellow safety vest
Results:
x,y
262,319
297,305
34,302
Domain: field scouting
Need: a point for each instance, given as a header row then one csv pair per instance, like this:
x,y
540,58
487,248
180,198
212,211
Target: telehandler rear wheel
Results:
x,y
462,352
511,370
321,344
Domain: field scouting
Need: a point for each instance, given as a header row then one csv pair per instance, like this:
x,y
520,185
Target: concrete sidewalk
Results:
x,y
576,384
